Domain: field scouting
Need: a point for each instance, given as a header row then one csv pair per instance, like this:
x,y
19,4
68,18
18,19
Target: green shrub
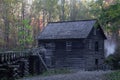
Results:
x,y
113,60
113,76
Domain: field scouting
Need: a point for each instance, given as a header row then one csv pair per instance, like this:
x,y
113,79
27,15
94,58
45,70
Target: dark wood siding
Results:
x,y
83,53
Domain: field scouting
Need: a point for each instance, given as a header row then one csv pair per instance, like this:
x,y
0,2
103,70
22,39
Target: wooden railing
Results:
x,y
11,56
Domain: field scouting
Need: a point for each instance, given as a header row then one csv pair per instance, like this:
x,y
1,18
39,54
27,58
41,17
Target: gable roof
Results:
x,y
67,29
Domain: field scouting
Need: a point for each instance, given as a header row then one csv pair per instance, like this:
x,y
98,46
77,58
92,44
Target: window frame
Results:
x,y
96,61
90,44
50,45
68,46
96,46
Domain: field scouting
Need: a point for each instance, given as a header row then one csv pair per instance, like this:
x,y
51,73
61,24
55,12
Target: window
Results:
x,y
90,44
50,46
68,45
96,61
96,46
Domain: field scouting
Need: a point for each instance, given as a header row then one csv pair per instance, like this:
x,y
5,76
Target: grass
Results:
x,y
56,71
51,72
113,75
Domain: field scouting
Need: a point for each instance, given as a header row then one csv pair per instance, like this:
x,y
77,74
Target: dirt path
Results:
x,y
80,75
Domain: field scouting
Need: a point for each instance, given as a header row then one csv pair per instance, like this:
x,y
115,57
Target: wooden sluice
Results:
x,y
14,64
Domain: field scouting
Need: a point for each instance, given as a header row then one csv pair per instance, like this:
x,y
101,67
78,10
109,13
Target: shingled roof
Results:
x,y
67,29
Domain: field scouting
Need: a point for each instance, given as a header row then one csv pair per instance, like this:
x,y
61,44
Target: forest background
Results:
x,y
22,20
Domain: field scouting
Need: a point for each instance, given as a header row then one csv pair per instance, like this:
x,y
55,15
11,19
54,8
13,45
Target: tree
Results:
x,y
28,38
37,14
7,17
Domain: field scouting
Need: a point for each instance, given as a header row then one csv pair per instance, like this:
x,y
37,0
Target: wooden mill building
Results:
x,y
73,44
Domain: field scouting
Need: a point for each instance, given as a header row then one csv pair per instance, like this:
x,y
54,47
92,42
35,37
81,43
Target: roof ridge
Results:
x,y
73,21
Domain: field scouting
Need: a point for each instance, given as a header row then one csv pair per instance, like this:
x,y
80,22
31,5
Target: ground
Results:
x,y
79,75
